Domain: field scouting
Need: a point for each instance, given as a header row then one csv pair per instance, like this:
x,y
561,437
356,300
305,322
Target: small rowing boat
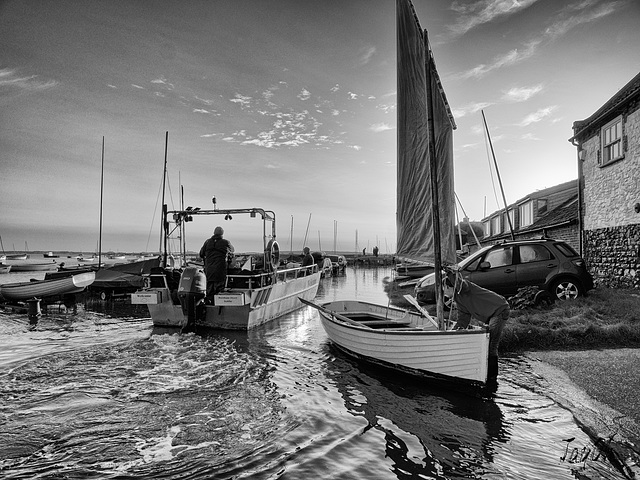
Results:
x,y
46,288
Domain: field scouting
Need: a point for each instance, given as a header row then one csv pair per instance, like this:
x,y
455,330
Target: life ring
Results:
x,y
273,254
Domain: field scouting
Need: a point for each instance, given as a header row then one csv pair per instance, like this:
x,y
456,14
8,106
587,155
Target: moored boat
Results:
x,y
46,288
34,267
255,294
401,340
50,255
5,268
416,343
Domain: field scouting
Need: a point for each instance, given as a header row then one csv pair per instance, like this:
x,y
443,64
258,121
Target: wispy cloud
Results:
x,y
573,15
473,14
470,109
522,94
507,59
10,78
537,116
366,55
381,127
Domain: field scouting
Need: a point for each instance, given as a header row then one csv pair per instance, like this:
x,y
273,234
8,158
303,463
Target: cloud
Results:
x,y
473,14
304,94
537,116
366,55
9,78
521,94
163,81
137,86
510,58
578,13
381,127
470,109
335,89
242,100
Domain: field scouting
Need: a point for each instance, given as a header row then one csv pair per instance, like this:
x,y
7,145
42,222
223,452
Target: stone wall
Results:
x,y
612,191
613,255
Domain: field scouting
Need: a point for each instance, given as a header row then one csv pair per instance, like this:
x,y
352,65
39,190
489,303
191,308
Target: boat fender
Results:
x,y
146,283
272,253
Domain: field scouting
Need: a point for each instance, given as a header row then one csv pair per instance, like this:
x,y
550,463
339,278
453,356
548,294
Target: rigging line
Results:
x,y
155,210
493,183
468,221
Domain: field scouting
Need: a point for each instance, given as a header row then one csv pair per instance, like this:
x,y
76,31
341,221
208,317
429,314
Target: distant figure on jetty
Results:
x,y
364,251
375,251
214,253
308,258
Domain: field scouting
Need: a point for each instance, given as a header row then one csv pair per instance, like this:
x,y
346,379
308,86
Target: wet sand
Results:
x,y
602,390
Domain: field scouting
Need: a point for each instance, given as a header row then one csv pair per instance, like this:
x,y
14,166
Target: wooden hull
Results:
x,y
414,271
46,288
34,267
415,346
236,308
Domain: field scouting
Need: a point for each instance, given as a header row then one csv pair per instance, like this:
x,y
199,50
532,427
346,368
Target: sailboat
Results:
x,y
416,343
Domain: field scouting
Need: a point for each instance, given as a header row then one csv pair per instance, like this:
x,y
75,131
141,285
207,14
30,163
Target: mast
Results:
x,y
433,168
163,218
504,199
101,195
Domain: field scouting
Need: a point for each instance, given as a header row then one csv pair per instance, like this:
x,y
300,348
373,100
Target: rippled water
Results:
x,y
102,394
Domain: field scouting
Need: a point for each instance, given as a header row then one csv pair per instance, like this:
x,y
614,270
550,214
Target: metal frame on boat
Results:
x,y
251,296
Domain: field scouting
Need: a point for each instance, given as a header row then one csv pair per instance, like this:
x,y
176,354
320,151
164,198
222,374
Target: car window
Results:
x,y
534,253
500,257
566,250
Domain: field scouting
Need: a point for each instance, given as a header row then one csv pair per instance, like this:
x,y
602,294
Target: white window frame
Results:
x,y
496,225
611,147
526,214
487,228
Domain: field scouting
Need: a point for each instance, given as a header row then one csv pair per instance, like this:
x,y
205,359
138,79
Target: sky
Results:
x,y
286,105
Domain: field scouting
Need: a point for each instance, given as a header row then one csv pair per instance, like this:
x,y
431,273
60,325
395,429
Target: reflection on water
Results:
x,y
103,394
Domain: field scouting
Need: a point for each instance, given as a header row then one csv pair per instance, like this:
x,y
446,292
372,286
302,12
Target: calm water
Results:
x,y
102,394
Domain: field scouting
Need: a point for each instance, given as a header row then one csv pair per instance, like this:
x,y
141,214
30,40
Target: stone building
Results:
x,y
551,212
608,151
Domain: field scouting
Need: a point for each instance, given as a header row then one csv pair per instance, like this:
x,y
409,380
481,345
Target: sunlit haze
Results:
x,y
284,105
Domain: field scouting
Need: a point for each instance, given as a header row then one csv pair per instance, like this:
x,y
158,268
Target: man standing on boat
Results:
x,y
483,305
214,253
307,260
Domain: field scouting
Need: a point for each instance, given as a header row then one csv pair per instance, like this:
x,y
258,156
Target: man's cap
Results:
x,y
218,231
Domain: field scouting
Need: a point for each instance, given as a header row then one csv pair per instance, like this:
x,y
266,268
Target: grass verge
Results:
x,y
606,318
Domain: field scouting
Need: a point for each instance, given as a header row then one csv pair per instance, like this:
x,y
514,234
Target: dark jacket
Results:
x,y
214,253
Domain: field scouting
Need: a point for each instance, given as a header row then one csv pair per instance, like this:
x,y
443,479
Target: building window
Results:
x,y
496,225
526,214
487,228
611,142
512,219
542,207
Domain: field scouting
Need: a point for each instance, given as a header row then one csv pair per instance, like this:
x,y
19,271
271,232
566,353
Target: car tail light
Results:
x,y
579,263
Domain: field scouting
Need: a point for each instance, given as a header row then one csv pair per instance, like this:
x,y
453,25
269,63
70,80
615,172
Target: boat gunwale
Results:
x,y
414,331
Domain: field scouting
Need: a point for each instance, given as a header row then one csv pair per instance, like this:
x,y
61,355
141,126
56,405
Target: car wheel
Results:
x,y
565,289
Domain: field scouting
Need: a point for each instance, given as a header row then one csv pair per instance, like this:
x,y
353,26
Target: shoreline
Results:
x,y
601,388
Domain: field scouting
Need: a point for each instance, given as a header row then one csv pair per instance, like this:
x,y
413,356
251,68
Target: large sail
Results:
x,y
414,188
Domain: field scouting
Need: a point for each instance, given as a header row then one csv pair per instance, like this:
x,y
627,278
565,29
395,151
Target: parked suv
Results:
x,y
548,264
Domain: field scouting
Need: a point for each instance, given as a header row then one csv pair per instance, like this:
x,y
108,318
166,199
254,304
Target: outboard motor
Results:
x,y
192,289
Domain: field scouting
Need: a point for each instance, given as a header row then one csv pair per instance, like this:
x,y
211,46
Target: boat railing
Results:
x,y
255,281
